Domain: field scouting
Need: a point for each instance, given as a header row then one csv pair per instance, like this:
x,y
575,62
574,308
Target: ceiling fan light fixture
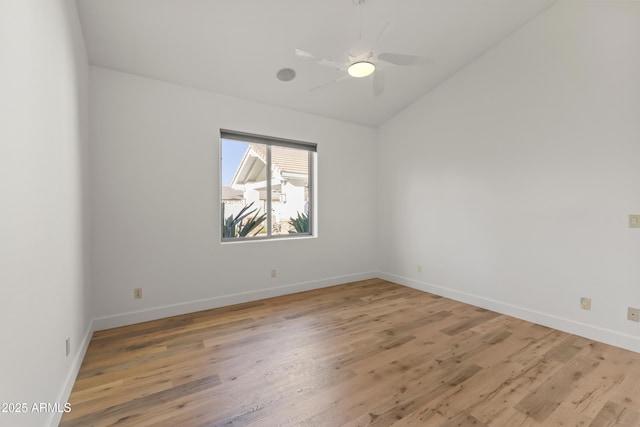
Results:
x,y
361,69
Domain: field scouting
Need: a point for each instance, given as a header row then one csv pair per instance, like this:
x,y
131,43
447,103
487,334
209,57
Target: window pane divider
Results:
x,y
269,197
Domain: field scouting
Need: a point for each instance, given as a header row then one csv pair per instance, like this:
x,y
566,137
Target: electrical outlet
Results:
x,y
419,269
137,293
634,221
633,314
67,344
273,273
585,303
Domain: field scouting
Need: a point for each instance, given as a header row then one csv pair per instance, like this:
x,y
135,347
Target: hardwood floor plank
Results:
x,y
363,353
614,414
491,407
416,393
469,323
567,416
134,409
567,349
464,420
397,375
542,401
418,323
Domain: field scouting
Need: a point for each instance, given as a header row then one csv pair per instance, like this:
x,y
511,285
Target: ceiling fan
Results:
x,y
363,60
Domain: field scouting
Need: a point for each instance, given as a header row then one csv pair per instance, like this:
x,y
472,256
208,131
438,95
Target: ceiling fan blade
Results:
x,y
304,55
402,59
310,57
331,83
378,82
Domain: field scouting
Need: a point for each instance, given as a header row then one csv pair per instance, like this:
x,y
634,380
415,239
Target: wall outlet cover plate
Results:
x,y
585,303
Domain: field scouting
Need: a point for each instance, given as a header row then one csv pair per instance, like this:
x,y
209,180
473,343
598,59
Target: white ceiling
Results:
x,y
236,47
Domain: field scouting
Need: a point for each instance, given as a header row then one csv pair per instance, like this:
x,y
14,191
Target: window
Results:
x,y
266,186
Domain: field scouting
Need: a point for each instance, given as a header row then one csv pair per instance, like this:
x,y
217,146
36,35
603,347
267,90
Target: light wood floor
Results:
x,y
366,353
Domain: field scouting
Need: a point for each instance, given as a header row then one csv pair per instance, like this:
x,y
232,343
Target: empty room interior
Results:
x,y
341,212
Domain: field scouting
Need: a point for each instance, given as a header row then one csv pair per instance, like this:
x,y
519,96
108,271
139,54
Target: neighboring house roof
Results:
x,y
286,162
229,193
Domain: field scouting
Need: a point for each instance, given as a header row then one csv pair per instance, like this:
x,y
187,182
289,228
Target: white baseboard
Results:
x,y
607,336
154,313
63,397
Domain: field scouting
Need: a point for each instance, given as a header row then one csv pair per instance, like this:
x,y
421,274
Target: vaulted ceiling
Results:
x,y
236,47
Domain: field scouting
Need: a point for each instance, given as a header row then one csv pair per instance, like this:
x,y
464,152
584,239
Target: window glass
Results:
x,y
290,190
244,190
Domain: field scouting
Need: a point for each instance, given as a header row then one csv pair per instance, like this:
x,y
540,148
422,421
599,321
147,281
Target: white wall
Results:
x,y
515,177
43,133
155,213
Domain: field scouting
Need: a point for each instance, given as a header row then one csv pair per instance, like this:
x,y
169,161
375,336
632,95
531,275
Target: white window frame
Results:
x,y
269,142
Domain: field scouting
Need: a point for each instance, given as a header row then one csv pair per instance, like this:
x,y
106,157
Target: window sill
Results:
x,y
267,239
